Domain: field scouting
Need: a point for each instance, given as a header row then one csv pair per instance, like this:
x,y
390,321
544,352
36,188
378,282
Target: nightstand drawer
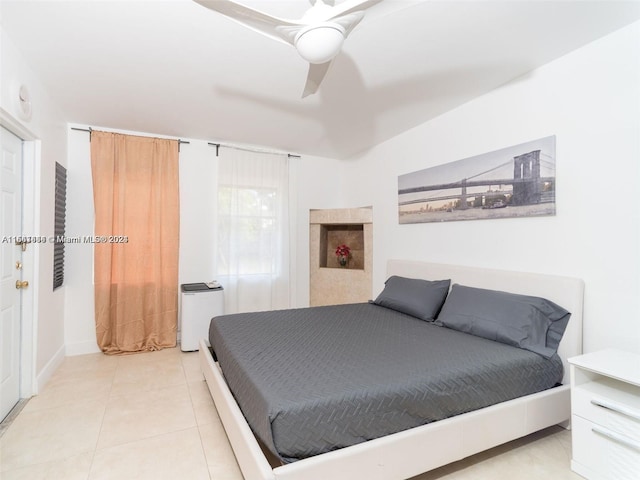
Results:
x,y
599,449
610,404
605,407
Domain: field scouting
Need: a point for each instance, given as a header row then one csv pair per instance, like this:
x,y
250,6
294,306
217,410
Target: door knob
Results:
x,y
21,284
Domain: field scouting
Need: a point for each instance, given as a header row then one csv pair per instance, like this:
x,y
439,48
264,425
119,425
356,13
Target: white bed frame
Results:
x,y
405,454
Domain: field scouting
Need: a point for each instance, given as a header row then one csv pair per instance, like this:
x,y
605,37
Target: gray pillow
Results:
x,y
419,298
531,323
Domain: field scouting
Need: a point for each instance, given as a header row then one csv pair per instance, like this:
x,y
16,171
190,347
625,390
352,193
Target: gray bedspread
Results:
x,y
316,379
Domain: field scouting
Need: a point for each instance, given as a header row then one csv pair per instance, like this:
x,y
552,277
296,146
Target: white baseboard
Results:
x,y
43,377
82,348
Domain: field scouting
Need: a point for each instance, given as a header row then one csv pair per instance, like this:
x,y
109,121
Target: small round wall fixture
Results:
x,y
24,103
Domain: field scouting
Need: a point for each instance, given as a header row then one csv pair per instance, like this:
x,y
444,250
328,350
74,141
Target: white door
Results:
x,y
10,269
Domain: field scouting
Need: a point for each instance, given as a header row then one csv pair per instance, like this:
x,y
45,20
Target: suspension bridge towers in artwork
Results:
x,y
526,179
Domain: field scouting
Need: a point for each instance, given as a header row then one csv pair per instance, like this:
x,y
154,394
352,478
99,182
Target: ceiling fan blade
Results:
x,y
260,22
349,21
317,72
350,6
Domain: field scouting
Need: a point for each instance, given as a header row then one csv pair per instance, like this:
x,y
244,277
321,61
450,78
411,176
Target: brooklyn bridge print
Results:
x,y
517,181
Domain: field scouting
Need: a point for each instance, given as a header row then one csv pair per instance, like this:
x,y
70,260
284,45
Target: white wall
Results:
x,y
198,179
79,324
589,99
47,127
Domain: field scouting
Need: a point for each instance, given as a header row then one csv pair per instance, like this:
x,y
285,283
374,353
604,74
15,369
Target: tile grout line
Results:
x,y
206,460
104,414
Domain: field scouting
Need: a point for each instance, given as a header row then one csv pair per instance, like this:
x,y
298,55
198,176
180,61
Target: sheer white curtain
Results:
x,y
253,257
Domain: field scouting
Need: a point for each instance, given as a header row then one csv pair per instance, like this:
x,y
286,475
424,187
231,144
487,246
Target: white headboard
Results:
x,y
565,291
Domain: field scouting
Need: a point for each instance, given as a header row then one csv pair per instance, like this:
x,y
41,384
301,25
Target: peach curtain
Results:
x,y
135,189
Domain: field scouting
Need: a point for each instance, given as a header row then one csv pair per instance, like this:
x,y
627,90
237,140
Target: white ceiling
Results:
x,y
175,68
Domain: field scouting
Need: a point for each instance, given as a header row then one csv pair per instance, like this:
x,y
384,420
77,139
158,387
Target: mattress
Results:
x,y
313,380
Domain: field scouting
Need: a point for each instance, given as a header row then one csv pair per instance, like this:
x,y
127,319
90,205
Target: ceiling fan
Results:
x,y
317,36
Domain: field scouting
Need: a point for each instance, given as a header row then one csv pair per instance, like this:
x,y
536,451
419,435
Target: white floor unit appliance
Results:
x,y
200,303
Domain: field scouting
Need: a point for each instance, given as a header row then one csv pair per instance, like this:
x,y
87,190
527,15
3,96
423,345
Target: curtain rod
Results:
x,y
217,145
249,149
90,130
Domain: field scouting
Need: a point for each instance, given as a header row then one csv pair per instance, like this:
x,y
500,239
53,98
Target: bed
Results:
x,y
413,449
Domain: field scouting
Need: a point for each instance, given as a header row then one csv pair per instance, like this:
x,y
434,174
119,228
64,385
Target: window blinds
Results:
x,y
59,231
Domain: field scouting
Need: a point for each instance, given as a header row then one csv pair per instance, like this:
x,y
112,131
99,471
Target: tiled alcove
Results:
x,y
330,283
342,234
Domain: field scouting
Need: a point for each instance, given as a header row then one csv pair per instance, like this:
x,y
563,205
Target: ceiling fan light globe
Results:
x,y
320,43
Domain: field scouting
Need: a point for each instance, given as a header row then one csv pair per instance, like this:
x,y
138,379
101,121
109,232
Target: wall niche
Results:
x,y
351,235
331,283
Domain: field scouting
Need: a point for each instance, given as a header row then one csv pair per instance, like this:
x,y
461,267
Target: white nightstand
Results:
x,y
605,407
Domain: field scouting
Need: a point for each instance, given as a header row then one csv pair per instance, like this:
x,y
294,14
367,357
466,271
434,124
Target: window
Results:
x,y
252,227
253,230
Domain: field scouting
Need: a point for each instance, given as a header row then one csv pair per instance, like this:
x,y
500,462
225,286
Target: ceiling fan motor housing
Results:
x,y
320,43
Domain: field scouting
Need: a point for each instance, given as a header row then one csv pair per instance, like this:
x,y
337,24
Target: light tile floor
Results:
x,y
150,416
